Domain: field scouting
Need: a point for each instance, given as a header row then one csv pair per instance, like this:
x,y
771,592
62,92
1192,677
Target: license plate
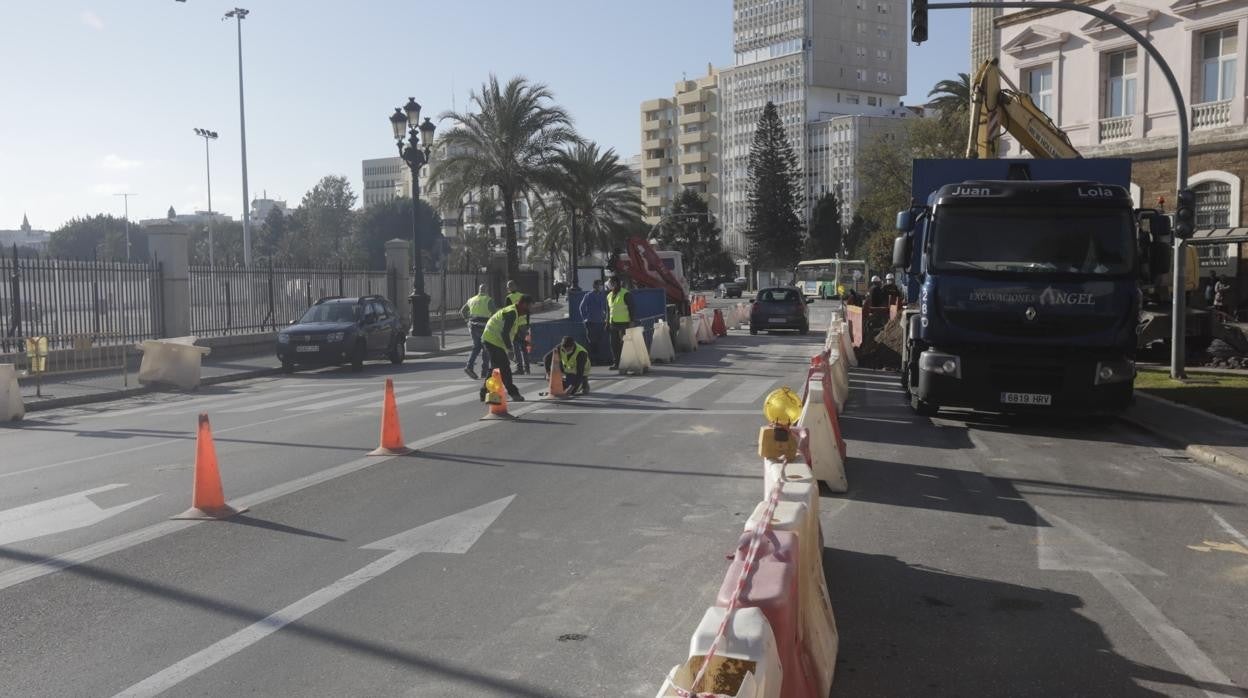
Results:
x,y
1026,399
778,320
307,348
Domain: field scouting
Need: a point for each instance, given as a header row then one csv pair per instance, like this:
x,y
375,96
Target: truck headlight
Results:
x,y
1119,371
941,363
283,338
335,337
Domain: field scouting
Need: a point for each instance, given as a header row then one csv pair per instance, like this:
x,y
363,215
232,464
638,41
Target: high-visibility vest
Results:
x,y
479,306
512,299
568,361
493,332
618,306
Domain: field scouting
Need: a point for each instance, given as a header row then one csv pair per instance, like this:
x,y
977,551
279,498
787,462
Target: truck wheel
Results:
x,y
358,356
922,407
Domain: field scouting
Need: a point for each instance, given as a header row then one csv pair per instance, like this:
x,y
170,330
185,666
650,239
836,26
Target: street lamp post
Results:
x,y
208,136
415,151
239,14
126,197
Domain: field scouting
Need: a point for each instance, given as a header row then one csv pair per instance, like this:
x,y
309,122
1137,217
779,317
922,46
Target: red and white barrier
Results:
x,y
826,454
745,662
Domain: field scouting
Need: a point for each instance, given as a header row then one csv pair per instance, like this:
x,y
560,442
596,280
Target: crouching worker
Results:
x,y
574,362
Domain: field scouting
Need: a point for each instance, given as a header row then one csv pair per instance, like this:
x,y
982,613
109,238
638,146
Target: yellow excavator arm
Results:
x,y
994,108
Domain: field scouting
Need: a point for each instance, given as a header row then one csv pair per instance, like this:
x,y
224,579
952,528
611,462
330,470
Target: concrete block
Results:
x,y
174,362
11,407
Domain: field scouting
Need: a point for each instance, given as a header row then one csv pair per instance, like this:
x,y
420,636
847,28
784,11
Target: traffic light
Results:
x,y
918,21
1185,214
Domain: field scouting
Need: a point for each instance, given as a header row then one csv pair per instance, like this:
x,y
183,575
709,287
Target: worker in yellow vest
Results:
x,y
477,311
620,316
520,351
574,362
499,338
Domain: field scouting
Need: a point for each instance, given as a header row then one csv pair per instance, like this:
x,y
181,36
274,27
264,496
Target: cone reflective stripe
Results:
x,y
391,434
207,495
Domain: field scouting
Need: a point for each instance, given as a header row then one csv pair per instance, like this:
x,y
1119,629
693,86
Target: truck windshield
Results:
x,y
1069,240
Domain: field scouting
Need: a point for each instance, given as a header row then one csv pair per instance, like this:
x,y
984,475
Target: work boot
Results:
x,y
585,387
471,373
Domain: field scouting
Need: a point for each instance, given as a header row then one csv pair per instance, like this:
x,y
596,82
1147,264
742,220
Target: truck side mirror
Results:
x,y
1158,226
1158,258
901,251
905,221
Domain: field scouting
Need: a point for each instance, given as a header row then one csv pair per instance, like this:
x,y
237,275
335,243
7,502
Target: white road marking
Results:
x,y
453,534
667,413
59,515
684,389
461,386
124,541
625,385
1064,546
473,396
1226,526
1181,648
290,401
753,390
168,407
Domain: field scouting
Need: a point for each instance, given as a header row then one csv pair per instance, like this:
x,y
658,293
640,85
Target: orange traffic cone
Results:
x,y
391,435
207,497
496,396
556,380
718,328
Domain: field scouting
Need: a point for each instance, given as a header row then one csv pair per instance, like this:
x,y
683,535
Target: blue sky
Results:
x,y
101,97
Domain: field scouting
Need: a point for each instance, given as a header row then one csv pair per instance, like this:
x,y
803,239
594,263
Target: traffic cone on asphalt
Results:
x,y
207,497
718,328
556,380
496,397
391,434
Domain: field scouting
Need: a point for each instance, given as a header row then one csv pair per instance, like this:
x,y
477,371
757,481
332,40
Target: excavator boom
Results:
x,y
994,108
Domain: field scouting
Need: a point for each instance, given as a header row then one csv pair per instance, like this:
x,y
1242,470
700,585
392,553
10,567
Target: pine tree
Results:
x,y
826,237
774,229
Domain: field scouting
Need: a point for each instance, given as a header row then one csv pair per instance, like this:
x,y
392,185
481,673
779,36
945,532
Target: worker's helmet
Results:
x,y
875,279
568,343
890,278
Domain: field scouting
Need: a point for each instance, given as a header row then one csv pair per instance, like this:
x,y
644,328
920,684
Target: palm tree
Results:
x,y
600,191
949,96
507,144
550,234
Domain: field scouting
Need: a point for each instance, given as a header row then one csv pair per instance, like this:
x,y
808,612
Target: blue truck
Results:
x,y
1023,284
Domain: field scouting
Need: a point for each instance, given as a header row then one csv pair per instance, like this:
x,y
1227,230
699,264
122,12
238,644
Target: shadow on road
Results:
x,y
914,631
494,462
308,631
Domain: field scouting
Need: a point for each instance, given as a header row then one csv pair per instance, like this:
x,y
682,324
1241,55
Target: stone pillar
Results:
x,y
169,245
399,259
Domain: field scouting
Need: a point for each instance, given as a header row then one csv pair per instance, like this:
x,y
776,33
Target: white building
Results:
x,y
816,60
262,207
834,146
1110,97
385,179
25,236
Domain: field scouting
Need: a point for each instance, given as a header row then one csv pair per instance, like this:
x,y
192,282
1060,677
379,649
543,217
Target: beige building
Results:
x,y
985,41
1110,97
385,179
680,146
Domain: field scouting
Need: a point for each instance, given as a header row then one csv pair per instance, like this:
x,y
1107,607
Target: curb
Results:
x,y
1208,455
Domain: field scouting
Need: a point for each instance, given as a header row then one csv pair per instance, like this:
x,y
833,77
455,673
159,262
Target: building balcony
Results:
x,y
695,137
691,97
656,143
1211,114
696,117
1117,128
651,180
692,178
695,158
653,163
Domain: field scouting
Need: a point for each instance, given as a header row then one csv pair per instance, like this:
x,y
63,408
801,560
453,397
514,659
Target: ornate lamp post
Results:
x,y
415,151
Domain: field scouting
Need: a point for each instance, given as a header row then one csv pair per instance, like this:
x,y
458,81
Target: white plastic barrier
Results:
x,y
818,626
847,345
11,407
687,334
746,662
634,357
661,348
705,335
825,456
175,361
799,483
840,379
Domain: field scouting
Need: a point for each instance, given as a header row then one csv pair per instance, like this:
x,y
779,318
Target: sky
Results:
x,y
99,98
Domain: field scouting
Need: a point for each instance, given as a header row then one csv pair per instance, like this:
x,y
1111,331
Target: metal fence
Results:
x,y
77,304
233,301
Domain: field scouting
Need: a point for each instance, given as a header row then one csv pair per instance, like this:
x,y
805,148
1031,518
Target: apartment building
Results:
x,y
385,179
680,145
1112,100
834,147
816,60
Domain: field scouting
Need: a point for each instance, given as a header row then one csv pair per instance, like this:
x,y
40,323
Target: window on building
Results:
x,y
852,99
1217,69
882,8
1120,84
873,101
1213,204
1211,255
1039,83
861,75
862,51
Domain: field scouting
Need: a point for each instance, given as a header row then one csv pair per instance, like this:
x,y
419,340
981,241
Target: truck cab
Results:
x,y
1022,295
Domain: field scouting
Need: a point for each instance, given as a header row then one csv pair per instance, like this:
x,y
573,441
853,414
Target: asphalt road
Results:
x,y
971,556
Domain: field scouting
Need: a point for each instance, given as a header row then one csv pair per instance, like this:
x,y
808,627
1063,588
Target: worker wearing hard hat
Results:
x,y
876,297
519,349
891,291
